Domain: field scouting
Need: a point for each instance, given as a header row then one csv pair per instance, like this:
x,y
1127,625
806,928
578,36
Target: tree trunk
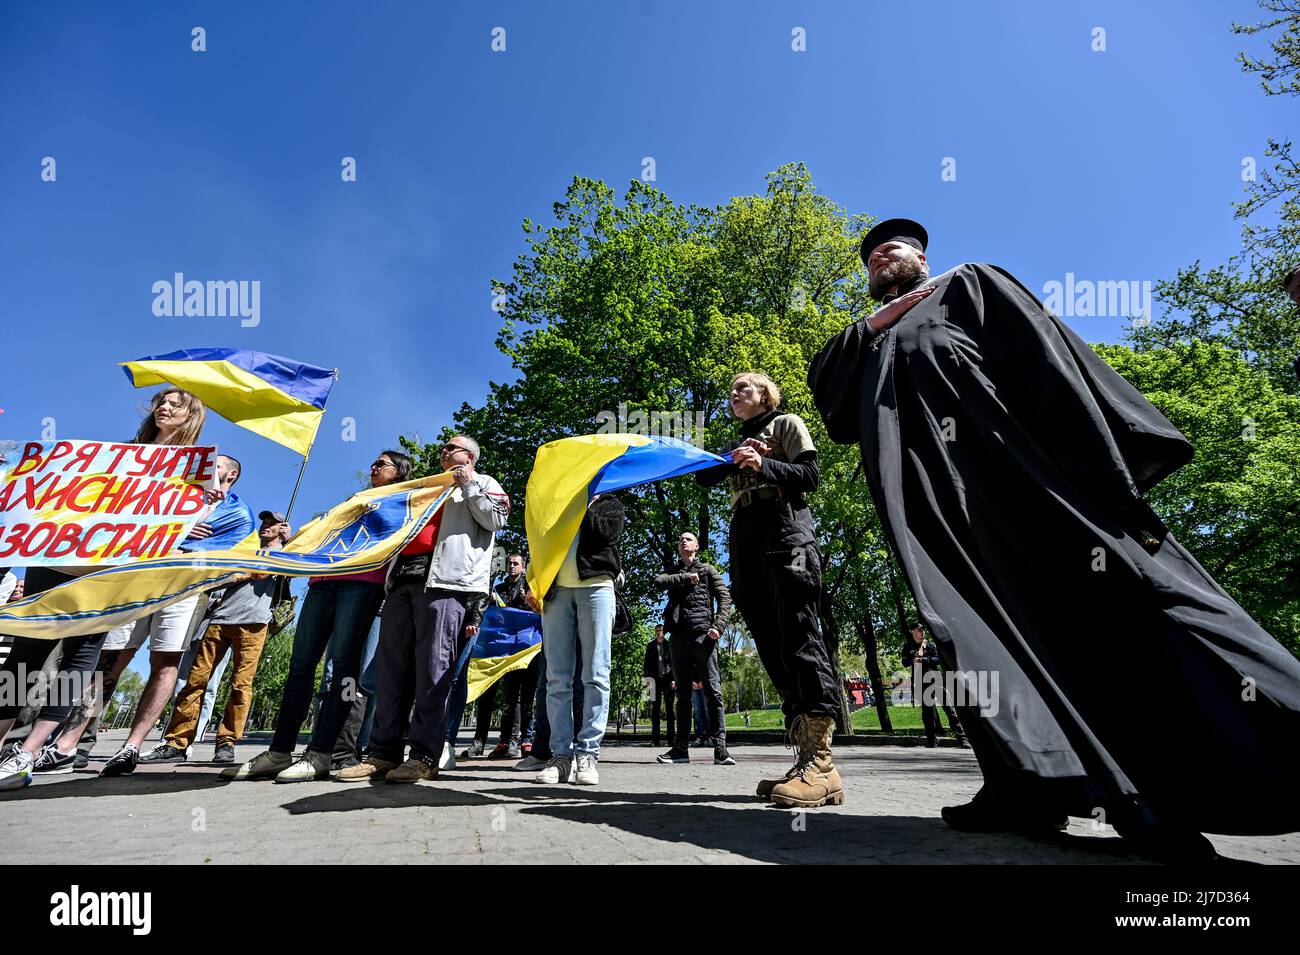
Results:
x,y
897,594
868,634
843,720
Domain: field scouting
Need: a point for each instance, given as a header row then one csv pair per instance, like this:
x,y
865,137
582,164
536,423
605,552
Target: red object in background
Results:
x,y
857,693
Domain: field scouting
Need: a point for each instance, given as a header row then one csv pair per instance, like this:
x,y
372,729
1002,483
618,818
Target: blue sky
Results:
x,y
225,164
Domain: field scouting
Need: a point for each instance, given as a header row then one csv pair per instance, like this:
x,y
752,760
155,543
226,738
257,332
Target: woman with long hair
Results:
x,y
175,417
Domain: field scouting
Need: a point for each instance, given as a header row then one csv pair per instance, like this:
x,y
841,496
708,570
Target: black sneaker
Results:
x,y
82,759
123,762
50,760
166,753
674,755
721,757
224,753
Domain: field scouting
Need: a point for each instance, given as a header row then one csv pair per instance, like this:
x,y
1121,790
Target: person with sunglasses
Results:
x,y
336,615
437,591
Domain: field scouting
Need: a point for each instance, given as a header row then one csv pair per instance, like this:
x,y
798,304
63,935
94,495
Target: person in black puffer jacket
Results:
x,y
698,607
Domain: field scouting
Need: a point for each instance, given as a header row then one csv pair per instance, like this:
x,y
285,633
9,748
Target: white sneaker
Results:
x,y
266,765
16,770
584,773
312,765
530,762
557,770
448,758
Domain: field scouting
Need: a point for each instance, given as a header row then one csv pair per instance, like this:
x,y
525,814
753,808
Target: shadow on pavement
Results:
x,y
351,797
81,784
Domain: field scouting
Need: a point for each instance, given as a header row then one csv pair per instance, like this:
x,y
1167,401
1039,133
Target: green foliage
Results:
x,y
646,305
1236,505
268,682
1242,304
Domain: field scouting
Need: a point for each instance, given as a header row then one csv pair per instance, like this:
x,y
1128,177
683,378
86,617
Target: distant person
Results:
x,y
923,656
699,606
657,671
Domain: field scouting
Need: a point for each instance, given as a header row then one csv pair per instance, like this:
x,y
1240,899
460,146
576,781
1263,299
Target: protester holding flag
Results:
x,y
175,417
169,630
337,613
578,614
776,580
239,623
436,584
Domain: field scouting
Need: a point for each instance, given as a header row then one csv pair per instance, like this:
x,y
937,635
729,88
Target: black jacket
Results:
x,y
512,593
690,607
658,661
929,654
598,539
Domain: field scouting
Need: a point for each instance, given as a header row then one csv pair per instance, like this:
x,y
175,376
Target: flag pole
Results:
x,y
302,470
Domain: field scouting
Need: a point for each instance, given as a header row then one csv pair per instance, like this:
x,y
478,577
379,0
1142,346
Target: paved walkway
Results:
x,y
485,812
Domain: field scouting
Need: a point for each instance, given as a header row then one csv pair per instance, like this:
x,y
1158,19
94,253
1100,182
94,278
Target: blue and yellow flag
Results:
x,y
359,535
278,398
507,640
569,472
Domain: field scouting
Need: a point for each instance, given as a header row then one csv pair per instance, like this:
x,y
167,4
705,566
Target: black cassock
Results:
x,y
1007,462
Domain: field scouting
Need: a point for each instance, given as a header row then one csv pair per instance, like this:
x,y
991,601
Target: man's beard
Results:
x,y
899,273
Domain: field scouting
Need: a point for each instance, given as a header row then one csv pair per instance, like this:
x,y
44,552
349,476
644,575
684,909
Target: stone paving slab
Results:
x,y
488,813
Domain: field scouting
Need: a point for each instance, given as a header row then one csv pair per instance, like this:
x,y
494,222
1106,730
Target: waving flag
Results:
x,y
278,398
359,535
569,472
507,640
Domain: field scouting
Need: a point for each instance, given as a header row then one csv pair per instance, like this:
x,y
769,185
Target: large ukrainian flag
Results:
x,y
359,535
569,472
278,398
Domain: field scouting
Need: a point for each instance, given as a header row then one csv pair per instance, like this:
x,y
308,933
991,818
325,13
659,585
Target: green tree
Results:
x,y
1241,304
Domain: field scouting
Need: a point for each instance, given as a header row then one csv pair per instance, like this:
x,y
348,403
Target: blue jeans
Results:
x,y
540,727
336,616
701,723
578,620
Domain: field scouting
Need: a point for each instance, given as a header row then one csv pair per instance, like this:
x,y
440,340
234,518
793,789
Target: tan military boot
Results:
x,y
816,781
765,786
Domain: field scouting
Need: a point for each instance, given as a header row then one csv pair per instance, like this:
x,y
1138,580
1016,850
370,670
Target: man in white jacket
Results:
x,y
441,577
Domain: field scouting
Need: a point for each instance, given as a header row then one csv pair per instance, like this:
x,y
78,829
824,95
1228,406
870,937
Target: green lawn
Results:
x,y
902,718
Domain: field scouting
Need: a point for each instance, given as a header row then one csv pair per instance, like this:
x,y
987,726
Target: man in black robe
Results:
x,y
1007,462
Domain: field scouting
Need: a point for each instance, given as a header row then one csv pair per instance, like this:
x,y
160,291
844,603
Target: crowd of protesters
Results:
x,y
395,642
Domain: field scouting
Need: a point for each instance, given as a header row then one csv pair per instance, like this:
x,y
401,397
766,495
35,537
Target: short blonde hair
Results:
x,y
771,393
